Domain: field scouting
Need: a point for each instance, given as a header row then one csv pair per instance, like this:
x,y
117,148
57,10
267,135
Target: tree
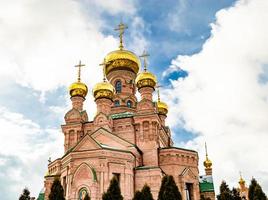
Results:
x,y
137,196
56,192
86,197
169,189
146,193
235,194
255,191
113,192
225,192
25,194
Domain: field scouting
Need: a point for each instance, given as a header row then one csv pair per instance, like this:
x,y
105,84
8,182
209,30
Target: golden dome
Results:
x,y
146,79
207,163
78,89
122,59
242,181
162,108
103,90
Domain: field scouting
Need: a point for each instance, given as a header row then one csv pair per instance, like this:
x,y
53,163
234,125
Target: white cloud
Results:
x,y
223,101
25,148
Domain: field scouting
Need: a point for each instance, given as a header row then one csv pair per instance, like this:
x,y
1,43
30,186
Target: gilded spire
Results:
x,y
103,69
144,55
79,70
207,162
241,180
121,28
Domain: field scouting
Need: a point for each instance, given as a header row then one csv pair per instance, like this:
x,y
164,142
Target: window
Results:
x,y
82,193
129,104
116,103
118,86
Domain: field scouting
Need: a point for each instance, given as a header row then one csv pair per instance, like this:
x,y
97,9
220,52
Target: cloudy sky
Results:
x,y
210,56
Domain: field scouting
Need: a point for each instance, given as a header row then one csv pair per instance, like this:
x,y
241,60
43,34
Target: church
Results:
x,y
127,138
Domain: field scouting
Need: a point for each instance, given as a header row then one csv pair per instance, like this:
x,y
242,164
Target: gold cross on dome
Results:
x,y
79,70
145,55
121,28
158,92
103,69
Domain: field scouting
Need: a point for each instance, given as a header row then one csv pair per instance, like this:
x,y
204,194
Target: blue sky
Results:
x,y
210,57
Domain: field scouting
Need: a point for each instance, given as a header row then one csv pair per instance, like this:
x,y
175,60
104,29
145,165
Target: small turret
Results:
x,y
207,163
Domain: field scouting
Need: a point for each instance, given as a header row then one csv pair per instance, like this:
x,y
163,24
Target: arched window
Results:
x,y
129,104
82,193
118,86
116,103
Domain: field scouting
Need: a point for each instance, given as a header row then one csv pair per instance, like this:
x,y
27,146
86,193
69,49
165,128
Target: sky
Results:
x,y
211,58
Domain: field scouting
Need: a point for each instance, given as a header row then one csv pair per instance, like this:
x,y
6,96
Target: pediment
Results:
x,y
109,140
87,143
187,173
73,115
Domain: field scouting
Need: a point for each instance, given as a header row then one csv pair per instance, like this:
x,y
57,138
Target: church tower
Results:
x,y
206,181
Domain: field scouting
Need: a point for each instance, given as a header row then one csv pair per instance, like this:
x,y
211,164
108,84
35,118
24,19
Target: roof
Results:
x,y
206,183
122,115
41,195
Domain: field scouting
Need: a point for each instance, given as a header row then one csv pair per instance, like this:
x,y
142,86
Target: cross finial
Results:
x,y
121,28
79,70
158,92
103,69
49,160
145,55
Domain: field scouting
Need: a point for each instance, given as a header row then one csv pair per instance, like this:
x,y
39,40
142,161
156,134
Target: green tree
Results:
x,y
225,192
137,196
146,193
25,194
56,192
235,194
169,189
255,191
86,197
113,192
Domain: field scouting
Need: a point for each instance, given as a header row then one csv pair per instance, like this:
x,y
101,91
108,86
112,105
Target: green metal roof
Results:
x,y
206,184
122,115
41,195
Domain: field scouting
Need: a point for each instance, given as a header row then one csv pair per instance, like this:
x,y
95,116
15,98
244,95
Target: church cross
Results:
x,y
103,69
121,28
145,55
158,92
206,149
79,70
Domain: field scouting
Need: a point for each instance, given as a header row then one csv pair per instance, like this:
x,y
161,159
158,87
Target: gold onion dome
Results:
x,y
103,90
146,79
162,108
207,163
122,59
78,88
241,180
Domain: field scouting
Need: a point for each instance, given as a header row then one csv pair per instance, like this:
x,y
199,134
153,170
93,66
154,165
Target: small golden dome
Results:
x,y
103,90
78,89
207,163
122,59
146,79
162,108
242,181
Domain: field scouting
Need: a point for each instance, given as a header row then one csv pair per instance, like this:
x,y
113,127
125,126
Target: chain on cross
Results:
x,y
79,70
121,28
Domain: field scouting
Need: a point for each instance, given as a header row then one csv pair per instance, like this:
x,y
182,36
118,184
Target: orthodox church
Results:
x,y
128,138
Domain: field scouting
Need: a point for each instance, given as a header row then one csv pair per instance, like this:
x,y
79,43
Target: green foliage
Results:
x,y
137,196
57,192
87,197
25,194
113,192
169,189
255,191
236,195
146,193
225,192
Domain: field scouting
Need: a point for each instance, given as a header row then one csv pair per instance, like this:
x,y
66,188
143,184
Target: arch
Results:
x,y
129,104
82,191
118,86
91,169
